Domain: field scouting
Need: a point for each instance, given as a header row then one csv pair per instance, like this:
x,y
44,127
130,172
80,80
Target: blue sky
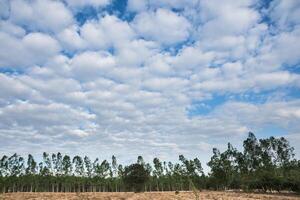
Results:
x,y
151,77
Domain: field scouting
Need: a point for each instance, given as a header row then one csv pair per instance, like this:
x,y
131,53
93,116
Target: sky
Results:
x,y
156,78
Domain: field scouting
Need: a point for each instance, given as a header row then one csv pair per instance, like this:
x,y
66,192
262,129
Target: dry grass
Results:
x,y
207,195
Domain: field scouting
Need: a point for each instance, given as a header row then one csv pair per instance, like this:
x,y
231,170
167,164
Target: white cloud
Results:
x,y
109,31
32,49
82,3
275,79
285,13
4,9
51,87
90,65
137,5
283,114
277,51
165,84
71,40
135,83
12,29
135,53
39,43
159,65
192,58
11,90
40,15
163,26
234,83
141,5
50,119
228,18
286,47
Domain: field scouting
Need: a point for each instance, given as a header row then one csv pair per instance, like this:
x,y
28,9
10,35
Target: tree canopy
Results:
x,y
263,164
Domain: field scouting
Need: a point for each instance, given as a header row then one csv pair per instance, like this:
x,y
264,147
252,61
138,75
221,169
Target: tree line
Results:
x,y
264,165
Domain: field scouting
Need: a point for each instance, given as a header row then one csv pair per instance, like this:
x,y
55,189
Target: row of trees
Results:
x,y
265,164
58,173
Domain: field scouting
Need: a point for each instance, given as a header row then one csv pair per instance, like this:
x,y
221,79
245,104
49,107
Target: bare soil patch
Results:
x,y
207,195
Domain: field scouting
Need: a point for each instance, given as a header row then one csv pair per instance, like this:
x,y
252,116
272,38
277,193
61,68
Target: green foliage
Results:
x,y
135,177
263,164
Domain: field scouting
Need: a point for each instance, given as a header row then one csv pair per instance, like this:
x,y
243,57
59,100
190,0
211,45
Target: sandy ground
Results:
x,y
207,195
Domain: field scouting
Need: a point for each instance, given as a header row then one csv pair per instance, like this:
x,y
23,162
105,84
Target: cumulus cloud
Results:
x,y
4,9
12,29
71,39
46,120
90,65
32,49
137,5
141,5
107,32
284,114
163,26
285,14
82,3
40,15
12,89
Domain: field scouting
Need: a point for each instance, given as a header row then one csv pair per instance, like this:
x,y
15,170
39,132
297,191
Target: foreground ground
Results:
x,y
207,195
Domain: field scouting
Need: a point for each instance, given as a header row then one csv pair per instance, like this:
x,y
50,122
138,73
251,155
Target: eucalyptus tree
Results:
x,y
120,173
57,160
88,166
140,160
217,171
46,166
114,166
67,165
275,151
31,171
149,170
16,168
178,176
167,176
102,171
78,172
229,164
192,169
16,165
251,152
199,168
171,176
225,170
114,172
120,170
78,166
157,172
275,154
4,166
3,172
135,177
54,164
67,172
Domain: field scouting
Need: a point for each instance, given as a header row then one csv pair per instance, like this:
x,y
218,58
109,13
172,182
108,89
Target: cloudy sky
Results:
x,y
147,77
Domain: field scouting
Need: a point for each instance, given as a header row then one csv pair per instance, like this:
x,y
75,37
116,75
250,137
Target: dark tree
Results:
x,y
135,177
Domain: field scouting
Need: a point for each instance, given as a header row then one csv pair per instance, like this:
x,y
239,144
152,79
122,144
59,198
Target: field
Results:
x,y
207,195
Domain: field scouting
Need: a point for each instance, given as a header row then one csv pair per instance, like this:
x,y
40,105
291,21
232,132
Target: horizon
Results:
x,y
152,78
